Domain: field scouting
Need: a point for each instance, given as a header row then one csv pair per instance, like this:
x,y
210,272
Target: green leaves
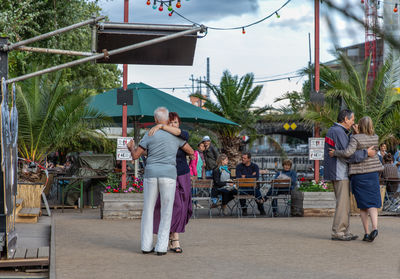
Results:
x,y
379,101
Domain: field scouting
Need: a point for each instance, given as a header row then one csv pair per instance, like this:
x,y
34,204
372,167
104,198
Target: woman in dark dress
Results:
x,y
182,210
364,175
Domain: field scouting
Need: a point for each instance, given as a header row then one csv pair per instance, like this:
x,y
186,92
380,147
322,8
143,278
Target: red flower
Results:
x,y
302,179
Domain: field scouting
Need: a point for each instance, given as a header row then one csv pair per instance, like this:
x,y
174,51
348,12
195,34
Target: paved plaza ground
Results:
x,y
88,247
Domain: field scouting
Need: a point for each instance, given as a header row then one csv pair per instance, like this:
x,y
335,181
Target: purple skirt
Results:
x,y
182,206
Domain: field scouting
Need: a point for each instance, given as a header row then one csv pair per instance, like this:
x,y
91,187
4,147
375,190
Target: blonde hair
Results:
x,y
221,157
365,126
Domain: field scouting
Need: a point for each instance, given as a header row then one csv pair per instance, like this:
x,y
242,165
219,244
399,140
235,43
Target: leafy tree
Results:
x,y
380,101
24,19
235,101
54,117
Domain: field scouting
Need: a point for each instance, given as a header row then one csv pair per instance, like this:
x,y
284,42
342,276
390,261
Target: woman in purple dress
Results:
x,y
182,210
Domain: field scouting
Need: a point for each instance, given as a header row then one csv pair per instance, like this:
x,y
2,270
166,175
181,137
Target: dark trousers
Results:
x,y
227,195
255,192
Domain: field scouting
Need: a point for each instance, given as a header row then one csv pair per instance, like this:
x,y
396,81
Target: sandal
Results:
x,y
176,249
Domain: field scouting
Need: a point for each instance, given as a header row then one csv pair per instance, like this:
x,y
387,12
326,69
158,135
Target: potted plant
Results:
x,y
118,203
313,199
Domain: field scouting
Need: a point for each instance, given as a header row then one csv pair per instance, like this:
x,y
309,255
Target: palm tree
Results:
x,y
235,101
52,116
379,100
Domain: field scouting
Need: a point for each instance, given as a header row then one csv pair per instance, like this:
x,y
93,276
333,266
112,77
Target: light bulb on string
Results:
x,y
178,5
170,14
362,1
161,8
243,31
395,8
148,2
170,6
277,15
154,5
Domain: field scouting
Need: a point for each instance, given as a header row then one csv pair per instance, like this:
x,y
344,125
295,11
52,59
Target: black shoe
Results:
x,y
161,253
372,235
148,252
366,237
276,214
244,211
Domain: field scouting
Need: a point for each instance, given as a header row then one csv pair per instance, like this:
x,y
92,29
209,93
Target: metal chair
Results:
x,y
246,190
201,195
280,190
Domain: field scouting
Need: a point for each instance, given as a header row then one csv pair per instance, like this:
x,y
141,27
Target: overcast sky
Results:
x,y
274,47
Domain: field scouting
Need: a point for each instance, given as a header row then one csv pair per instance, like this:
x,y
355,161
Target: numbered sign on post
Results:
x,y
124,155
316,148
123,141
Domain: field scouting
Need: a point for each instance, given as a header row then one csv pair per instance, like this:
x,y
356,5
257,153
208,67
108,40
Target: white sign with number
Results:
x,y
122,142
124,155
316,148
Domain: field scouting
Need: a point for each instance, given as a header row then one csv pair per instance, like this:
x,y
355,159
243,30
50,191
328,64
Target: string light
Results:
x,y
362,1
395,9
178,5
148,2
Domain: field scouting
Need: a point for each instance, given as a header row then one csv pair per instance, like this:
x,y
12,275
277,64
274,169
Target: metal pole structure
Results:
x,y
3,215
52,33
124,106
111,52
316,126
54,51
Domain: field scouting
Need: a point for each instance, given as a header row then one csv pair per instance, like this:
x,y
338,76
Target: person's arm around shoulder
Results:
x,y
351,148
172,130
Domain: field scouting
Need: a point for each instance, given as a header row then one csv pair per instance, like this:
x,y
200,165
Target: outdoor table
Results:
x,y
80,179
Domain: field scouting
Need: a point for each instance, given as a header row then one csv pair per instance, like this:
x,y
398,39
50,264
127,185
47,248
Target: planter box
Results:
x,y
121,206
310,204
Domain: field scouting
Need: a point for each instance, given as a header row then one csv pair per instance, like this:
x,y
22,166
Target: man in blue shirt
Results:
x,y
247,169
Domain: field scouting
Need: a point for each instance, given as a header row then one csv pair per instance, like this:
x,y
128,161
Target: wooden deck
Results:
x,y
33,244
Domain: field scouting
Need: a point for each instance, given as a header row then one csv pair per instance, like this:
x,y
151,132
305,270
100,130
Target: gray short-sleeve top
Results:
x,y
161,154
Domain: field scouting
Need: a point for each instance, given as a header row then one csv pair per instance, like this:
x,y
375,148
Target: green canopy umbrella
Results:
x,y
146,99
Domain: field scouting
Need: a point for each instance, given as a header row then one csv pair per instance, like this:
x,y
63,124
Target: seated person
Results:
x,y
247,169
222,186
284,174
390,171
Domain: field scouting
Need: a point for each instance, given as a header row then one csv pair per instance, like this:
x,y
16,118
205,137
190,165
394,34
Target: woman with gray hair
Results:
x,y
364,175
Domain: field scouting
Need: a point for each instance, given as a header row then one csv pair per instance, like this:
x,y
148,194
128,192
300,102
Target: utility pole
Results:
x,y
124,106
192,79
316,79
208,76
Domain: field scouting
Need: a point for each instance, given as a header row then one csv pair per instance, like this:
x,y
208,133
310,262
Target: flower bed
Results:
x,y
314,199
118,203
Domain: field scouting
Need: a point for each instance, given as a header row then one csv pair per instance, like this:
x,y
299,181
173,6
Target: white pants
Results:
x,y
151,187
